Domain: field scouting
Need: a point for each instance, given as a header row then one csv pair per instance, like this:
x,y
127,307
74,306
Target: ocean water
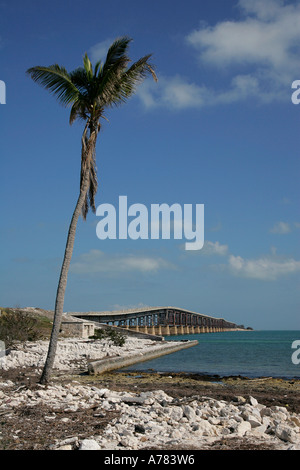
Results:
x,y
245,353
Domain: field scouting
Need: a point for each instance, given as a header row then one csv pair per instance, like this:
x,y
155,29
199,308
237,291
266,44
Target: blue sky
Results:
x,y
219,128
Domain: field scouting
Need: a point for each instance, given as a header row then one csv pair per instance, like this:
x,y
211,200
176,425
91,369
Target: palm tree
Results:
x,y
88,91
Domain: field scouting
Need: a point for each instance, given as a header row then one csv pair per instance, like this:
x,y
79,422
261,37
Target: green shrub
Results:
x,y
116,337
16,326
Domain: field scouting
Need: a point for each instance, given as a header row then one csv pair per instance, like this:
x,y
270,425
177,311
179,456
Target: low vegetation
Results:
x,y
117,338
17,326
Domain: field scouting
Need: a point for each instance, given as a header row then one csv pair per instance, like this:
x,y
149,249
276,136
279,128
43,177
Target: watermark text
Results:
x,y
296,354
2,353
134,222
2,92
296,94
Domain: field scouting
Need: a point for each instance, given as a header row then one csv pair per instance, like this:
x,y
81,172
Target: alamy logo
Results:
x,y
296,94
164,219
2,349
296,354
2,92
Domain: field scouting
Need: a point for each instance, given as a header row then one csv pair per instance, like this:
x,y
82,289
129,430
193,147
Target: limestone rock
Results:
x,y
189,412
242,428
285,433
253,401
89,444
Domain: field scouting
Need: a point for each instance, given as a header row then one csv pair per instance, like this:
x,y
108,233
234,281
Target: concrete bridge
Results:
x,y
161,321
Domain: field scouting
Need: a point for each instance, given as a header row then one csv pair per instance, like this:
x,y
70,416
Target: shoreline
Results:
x,y
207,376
137,410
271,391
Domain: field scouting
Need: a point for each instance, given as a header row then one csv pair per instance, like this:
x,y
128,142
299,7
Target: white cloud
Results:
x,y
214,248
266,10
281,228
173,92
178,93
263,47
284,227
265,268
96,261
257,55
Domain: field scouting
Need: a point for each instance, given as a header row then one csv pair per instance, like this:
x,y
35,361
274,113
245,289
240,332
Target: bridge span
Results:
x,y
161,321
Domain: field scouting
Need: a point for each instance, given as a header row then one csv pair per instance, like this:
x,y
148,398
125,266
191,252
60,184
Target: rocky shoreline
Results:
x,y
131,411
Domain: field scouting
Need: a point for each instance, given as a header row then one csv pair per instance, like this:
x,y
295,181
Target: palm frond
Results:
x,y
80,79
88,67
57,80
137,73
117,53
78,111
115,88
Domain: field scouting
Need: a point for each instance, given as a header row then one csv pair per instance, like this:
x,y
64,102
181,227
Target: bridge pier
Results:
x,y
166,330
152,330
158,330
173,330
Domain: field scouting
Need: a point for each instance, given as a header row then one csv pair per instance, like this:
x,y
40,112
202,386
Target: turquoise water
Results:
x,y
246,353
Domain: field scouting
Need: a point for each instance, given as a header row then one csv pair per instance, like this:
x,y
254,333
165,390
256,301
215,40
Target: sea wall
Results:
x,y
113,363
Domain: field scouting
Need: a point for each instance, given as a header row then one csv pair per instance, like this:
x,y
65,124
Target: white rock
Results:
x,y
281,409
176,413
214,421
254,421
286,434
295,420
189,412
260,429
129,441
242,428
89,444
204,428
253,401
175,434
266,420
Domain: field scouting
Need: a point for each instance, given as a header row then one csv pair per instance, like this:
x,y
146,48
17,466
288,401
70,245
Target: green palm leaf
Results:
x,y
56,79
117,54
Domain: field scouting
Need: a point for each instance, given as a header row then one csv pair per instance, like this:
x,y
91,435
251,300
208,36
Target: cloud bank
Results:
x,y
257,55
96,261
265,268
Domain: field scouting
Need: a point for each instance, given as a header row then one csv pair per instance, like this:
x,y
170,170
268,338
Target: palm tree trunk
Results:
x,y
60,295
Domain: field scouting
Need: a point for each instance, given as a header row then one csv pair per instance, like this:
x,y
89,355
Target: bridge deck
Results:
x,y
160,320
